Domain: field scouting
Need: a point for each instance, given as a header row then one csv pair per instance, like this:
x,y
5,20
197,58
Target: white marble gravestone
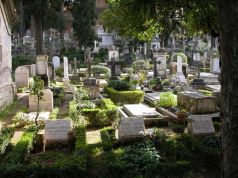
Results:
x,y
56,61
46,104
130,128
196,57
179,64
140,110
215,65
161,63
200,125
33,70
22,77
66,69
57,130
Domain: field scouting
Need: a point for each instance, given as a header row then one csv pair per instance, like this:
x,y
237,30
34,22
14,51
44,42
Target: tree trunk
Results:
x,y
22,29
228,11
39,36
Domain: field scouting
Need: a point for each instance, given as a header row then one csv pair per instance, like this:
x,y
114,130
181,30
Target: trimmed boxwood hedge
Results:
x,y
5,139
125,97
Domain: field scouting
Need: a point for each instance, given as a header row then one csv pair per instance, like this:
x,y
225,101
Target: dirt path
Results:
x,y
16,137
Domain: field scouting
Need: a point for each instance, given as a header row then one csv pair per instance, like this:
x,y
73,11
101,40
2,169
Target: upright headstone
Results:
x,y
160,63
42,68
46,104
22,77
200,125
56,131
33,70
215,65
131,128
56,62
66,69
179,64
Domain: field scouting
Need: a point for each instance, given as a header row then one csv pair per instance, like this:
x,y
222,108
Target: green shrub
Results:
x,y
22,148
54,113
97,70
59,72
86,105
5,139
119,85
58,94
108,104
81,143
125,97
107,137
167,99
135,160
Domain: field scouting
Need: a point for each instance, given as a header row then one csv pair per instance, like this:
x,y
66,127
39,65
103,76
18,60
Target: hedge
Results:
x,y
5,139
107,136
125,97
101,117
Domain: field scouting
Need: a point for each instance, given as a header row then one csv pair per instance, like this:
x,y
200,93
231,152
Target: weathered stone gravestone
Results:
x,y
46,104
197,103
66,69
56,62
113,61
42,68
161,63
57,131
33,70
92,86
130,128
215,65
200,125
22,77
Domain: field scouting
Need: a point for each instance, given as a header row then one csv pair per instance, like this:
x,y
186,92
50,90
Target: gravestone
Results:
x,y
200,125
33,70
113,62
131,128
46,104
197,103
57,131
179,78
139,110
56,62
22,77
161,63
215,65
42,69
92,86
66,69
50,72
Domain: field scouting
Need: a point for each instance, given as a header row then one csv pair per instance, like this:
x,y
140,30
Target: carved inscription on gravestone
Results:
x,y
57,130
131,127
201,125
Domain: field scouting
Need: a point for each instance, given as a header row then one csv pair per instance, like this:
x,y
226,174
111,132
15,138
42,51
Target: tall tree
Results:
x,y
84,21
228,13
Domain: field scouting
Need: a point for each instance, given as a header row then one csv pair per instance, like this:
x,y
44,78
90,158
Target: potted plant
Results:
x,y
182,115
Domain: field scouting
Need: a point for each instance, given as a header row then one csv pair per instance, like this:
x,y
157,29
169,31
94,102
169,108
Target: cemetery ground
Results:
x,y
112,124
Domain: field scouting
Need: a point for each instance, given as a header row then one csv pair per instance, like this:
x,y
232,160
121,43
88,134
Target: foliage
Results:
x,y
125,97
58,94
108,104
8,111
166,82
97,70
182,55
54,114
119,85
86,105
21,60
22,148
83,29
140,65
167,99
5,139
59,72
81,143
136,160
101,56
81,95
107,137
75,114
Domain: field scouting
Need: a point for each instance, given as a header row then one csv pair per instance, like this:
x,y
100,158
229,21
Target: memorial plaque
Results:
x,y
201,125
57,130
131,127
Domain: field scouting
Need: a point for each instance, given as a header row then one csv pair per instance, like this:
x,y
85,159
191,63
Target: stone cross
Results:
x,y
66,68
140,48
179,64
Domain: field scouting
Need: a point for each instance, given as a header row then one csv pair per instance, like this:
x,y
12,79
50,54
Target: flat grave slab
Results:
x,y
139,110
201,125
